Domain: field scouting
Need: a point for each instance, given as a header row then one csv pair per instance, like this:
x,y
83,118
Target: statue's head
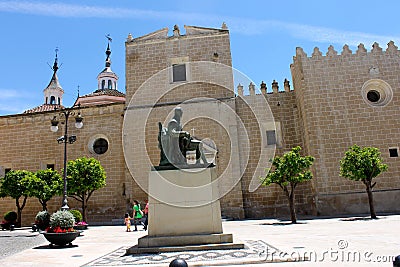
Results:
x,y
178,112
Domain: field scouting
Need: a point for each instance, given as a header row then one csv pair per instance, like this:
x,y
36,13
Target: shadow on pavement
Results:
x,y
55,247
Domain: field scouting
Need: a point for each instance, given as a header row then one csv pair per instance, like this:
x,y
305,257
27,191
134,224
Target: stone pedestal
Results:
x,y
184,212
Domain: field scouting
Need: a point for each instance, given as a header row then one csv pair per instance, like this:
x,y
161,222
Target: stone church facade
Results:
x,y
339,99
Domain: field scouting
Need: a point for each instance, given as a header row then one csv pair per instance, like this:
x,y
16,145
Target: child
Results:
x,y
128,222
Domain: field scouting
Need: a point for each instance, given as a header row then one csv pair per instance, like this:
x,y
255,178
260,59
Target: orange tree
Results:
x,y
47,184
287,172
16,184
85,175
363,164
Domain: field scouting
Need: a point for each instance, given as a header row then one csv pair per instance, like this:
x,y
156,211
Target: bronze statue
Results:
x,y
174,142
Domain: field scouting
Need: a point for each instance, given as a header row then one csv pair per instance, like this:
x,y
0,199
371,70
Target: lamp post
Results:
x,y
65,139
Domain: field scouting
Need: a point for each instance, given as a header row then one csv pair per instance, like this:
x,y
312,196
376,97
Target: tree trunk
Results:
x,y
84,206
19,213
44,204
19,210
370,200
290,196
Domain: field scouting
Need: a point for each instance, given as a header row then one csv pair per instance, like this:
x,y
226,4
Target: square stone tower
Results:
x,y
193,71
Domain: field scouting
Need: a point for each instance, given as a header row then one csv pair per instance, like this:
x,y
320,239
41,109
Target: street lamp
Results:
x,y
65,139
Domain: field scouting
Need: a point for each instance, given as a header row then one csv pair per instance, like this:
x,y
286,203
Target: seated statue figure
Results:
x,y
174,142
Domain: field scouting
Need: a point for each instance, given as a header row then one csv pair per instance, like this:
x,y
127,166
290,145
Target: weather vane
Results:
x,y
55,66
109,38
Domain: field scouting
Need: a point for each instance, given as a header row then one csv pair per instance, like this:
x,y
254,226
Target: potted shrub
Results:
x,y
79,224
60,231
42,220
10,219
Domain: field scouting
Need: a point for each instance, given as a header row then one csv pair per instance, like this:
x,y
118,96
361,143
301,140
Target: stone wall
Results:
x,y
335,112
27,143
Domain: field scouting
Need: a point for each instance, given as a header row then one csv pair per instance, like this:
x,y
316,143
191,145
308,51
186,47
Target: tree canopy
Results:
x,y
47,184
291,168
85,175
288,171
363,164
16,184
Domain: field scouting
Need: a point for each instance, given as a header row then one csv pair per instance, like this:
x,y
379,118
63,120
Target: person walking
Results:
x,y
137,214
146,215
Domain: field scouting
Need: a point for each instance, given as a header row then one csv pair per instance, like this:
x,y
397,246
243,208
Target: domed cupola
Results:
x,y
107,79
107,89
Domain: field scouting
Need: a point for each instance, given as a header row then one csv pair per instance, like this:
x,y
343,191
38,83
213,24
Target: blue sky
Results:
x,y
264,37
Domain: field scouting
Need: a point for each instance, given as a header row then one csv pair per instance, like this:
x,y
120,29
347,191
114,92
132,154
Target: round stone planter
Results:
x,y
61,239
80,227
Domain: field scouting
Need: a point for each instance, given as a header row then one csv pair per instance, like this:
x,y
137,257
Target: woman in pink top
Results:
x,y
146,215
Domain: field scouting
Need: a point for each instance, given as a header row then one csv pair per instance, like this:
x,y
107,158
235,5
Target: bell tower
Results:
x,y
107,79
53,93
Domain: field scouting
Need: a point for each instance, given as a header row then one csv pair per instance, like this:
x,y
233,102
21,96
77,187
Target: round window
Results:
x,y
373,96
100,146
377,92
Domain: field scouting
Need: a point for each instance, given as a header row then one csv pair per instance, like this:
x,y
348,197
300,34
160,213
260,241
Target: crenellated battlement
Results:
x,y
262,90
346,51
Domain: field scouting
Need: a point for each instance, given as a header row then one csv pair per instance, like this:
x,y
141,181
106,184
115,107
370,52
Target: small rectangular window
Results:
x,y
50,166
179,73
6,170
271,137
393,152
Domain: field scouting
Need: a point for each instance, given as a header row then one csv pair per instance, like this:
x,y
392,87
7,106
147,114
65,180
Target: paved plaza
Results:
x,y
347,241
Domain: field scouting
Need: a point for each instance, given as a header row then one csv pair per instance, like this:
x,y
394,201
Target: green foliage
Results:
x,y
291,168
42,217
288,171
10,216
85,175
16,183
362,164
63,219
47,183
77,215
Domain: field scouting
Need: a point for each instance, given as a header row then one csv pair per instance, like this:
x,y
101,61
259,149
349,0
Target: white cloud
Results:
x,y
15,101
236,24
84,11
8,93
328,35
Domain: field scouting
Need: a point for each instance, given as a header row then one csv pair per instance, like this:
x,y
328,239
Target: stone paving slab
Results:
x,y
354,241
